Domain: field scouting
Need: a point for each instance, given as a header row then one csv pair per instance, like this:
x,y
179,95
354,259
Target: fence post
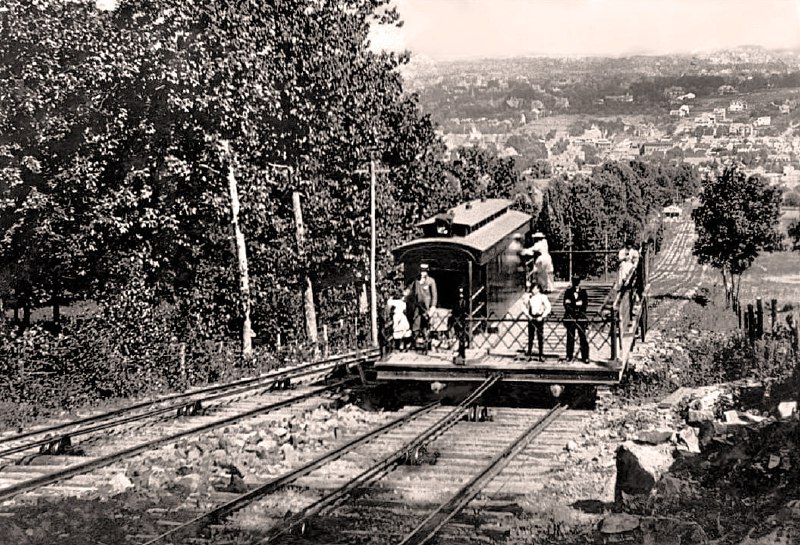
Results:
x,y
759,318
182,363
751,322
773,314
325,350
613,335
739,315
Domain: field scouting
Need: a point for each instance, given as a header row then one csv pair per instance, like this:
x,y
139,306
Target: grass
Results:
x,y
773,276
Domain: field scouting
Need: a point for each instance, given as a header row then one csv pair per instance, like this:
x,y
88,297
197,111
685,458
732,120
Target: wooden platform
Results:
x,y
440,366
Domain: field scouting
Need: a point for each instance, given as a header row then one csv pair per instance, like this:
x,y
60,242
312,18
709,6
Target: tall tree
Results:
x,y
737,218
110,164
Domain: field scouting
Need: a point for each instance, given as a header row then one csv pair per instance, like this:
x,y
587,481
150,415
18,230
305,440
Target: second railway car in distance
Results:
x,y
470,247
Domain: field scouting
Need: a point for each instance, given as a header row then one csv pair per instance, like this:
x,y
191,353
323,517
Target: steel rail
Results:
x,y
428,529
79,469
221,390
264,382
433,431
273,485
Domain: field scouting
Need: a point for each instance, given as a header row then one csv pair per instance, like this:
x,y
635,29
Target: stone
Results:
x,y
774,461
671,487
437,387
617,523
116,484
670,531
280,431
777,536
192,482
786,409
571,446
732,417
708,399
653,437
289,453
700,415
754,418
639,467
688,436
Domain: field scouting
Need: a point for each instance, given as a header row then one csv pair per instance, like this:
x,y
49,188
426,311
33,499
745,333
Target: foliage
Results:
x,y
113,167
794,233
737,218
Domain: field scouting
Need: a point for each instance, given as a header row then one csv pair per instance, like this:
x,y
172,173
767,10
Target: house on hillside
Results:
x,y
726,90
763,121
672,212
719,114
737,106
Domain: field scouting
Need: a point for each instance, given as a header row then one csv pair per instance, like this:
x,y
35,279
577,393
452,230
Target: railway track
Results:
x,y
675,279
404,482
62,453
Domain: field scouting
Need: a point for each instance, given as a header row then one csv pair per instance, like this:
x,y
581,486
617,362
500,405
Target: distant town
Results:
x,y
565,116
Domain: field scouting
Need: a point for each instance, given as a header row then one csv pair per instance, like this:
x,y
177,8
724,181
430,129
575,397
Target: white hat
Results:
x,y
538,234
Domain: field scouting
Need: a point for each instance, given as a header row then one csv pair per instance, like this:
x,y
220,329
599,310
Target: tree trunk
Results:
x,y
241,250
308,289
727,291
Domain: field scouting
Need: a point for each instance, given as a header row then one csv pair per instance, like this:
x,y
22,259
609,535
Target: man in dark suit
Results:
x,y
575,302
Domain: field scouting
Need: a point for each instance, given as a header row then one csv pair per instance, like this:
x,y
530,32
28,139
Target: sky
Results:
x,y
457,29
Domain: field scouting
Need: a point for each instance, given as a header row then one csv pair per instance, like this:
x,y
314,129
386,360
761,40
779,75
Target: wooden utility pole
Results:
x,y
308,290
241,251
373,295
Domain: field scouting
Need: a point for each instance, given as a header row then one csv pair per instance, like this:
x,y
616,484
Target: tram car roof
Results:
x,y
481,228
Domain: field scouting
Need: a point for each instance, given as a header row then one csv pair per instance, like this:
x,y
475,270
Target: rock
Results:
x,y
777,536
700,415
117,484
192,482
653,437
556,390
754,418
437,387
571,446
732,417
669,531
156,477
786,409
710,431
671,487
289,453
708,398
774,461
689,438
639,467
617,523
280,431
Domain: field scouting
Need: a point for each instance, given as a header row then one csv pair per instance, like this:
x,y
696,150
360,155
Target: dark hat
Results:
x,y
576,278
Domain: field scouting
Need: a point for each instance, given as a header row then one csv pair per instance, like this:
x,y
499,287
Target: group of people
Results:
x,y
411,313
538,308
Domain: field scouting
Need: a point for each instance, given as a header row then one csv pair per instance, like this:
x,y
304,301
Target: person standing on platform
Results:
x,y
425,297
543,271
538,308
576,300
401,329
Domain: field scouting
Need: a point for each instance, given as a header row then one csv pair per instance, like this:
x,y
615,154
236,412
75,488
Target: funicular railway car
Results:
x,y
473,254
464,250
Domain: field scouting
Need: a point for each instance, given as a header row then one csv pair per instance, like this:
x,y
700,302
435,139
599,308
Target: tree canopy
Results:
x,y
737,218
113,172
